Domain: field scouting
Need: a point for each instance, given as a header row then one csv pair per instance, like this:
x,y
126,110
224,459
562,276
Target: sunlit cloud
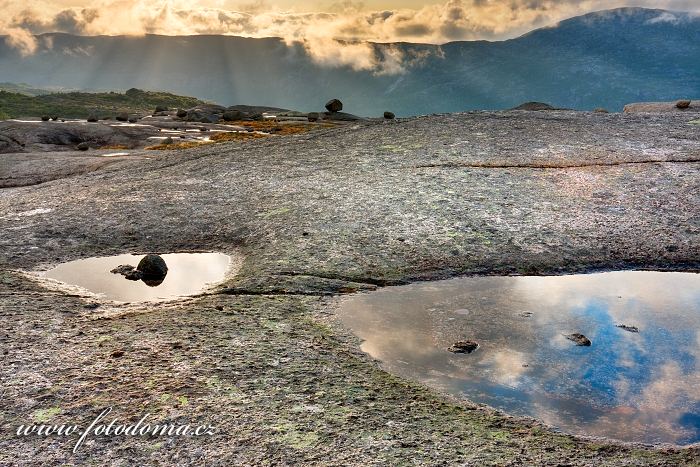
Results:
x,y
334,35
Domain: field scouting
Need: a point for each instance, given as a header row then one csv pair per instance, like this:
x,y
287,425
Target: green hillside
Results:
x,y
80,105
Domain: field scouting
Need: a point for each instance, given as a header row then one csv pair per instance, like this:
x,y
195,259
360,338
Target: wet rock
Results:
x,y
579,339
128,271
334,105
683,104
389,115
463,347
628,328
152,266
534,106
122,117
45,118
83,146
314,116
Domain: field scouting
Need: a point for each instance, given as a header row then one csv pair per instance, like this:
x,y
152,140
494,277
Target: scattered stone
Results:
x,y
45,118
83,146
122,117
54,117
683,104
389,115
601,110
181,113
117,354
334,105
628,328
219,308
579,339
314,116
463,347
152,266
92,118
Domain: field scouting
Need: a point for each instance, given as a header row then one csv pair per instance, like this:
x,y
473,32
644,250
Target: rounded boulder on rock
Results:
x,y
334,105
92,118
45,118
314,116
683,104
152,266
122,117
83,146
389,115
181,113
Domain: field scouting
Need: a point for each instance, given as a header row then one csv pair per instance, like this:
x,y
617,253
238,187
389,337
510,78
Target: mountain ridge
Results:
x,y
602,59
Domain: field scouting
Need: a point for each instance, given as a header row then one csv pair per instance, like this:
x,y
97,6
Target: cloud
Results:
x,y
336,37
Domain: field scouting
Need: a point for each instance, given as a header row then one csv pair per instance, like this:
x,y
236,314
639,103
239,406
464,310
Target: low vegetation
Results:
x,y
81,105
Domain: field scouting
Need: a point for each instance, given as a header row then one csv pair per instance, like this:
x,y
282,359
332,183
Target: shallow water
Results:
x,y
630,386
188,274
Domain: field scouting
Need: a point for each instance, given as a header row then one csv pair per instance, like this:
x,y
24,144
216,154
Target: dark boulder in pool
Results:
x,y
579,339
152,267
463,347
128,271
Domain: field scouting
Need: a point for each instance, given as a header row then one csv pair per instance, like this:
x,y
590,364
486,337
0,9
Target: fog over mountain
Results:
x,y
604,59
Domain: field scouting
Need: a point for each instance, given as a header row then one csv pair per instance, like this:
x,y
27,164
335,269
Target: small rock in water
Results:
x,y
579,339
128,271
683,104
628,328
83,146
334,105
152,266
463,347
389,115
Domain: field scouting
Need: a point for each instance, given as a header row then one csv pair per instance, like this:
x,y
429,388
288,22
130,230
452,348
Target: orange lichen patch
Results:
x,y
115,146
176,146
271,126
236,136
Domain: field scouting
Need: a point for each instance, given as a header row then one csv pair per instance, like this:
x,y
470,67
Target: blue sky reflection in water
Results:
x,y
631,386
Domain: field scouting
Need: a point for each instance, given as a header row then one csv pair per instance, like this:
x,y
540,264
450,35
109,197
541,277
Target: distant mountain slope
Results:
x,y
80,105
604,59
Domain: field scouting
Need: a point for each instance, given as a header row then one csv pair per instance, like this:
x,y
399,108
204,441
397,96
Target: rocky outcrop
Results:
x,y
538,106
663,107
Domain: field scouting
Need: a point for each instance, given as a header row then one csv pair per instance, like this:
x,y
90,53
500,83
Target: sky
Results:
x,y
318,25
